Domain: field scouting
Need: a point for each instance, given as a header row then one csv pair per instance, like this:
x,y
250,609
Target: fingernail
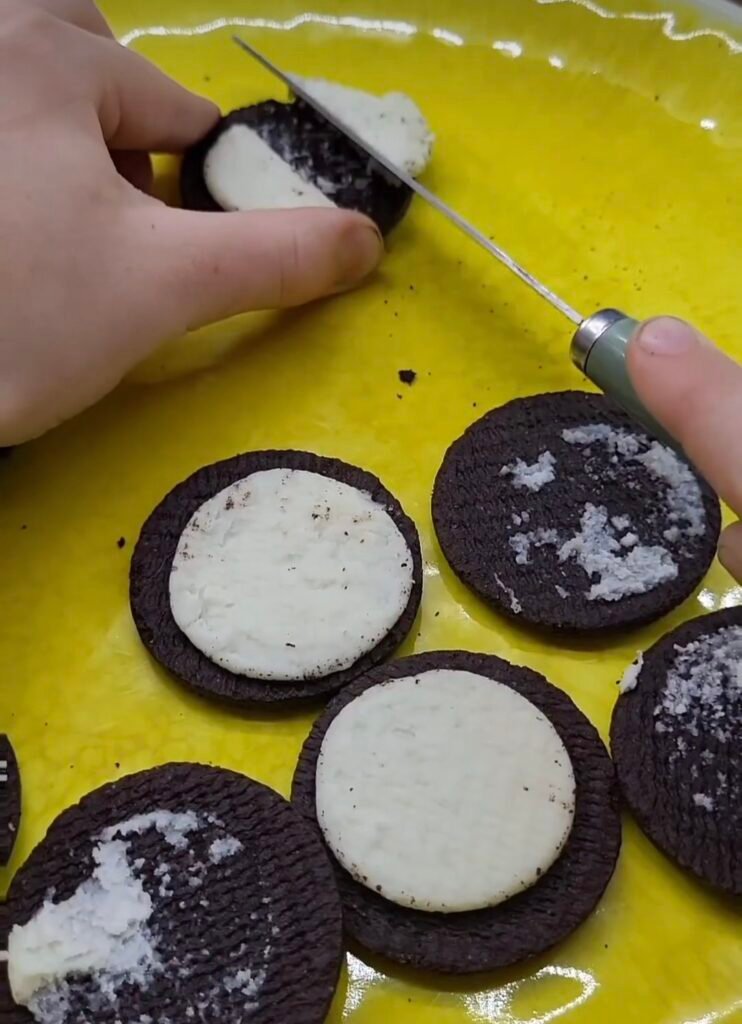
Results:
x,y
360,252
666,336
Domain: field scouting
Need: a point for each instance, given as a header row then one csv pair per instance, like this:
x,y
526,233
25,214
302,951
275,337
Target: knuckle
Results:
x,y
289,270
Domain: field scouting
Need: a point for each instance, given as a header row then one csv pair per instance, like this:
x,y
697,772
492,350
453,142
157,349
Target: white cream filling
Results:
x,y
445,791
243,173
289,575
101,928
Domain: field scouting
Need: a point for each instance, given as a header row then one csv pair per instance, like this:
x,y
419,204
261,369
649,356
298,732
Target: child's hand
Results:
x,y
695,391
94,273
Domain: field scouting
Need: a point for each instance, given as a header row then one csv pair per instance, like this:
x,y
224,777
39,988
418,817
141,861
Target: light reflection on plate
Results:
x,y
490,1005
667,19
496,1004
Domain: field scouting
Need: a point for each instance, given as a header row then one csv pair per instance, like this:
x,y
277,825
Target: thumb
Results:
x,y
695,391
208,266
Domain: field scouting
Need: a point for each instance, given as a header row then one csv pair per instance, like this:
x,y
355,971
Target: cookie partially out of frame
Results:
x,y
526,924
675,738
559,511
159,542
10,799
245,917
314,149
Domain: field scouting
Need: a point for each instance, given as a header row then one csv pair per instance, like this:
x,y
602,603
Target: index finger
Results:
x,y
695,391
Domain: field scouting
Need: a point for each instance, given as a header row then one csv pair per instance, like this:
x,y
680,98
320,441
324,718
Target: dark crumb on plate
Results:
x,y
121,542
407,376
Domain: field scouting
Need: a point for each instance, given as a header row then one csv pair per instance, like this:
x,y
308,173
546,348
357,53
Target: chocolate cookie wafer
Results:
x,y
560,512
182,893
675,738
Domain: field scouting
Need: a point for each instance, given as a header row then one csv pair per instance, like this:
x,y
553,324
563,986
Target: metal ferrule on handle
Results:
x,y
599,348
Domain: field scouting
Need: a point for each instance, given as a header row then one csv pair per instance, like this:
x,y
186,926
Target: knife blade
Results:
x,y
430,197
600,342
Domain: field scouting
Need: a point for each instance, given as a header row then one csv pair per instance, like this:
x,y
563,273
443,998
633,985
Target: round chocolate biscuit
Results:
x,y
245,918
535,919
10,799
675,739
153,558
315,150
560,512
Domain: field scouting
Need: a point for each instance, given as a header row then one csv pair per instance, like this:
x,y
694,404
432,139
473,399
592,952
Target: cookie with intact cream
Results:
x,y
275,576
469,807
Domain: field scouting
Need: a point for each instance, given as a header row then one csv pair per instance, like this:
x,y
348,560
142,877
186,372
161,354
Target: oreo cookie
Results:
x,y
560,512
10,799
675,739
319,154
195,893
257,636
525,924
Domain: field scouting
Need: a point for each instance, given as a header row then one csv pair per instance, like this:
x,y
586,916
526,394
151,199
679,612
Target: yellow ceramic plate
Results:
x,y
600,142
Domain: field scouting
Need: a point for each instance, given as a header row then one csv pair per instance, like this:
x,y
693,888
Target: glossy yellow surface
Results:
x,y
600,142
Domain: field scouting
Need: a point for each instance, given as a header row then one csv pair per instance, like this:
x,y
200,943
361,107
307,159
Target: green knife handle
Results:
x,y
599,349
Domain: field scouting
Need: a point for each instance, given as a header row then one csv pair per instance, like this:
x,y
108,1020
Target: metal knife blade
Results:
x,y
456,218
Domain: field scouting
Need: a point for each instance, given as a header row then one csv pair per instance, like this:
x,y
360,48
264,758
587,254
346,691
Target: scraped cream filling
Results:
x,y
445,791
105,932
391,124
289,575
